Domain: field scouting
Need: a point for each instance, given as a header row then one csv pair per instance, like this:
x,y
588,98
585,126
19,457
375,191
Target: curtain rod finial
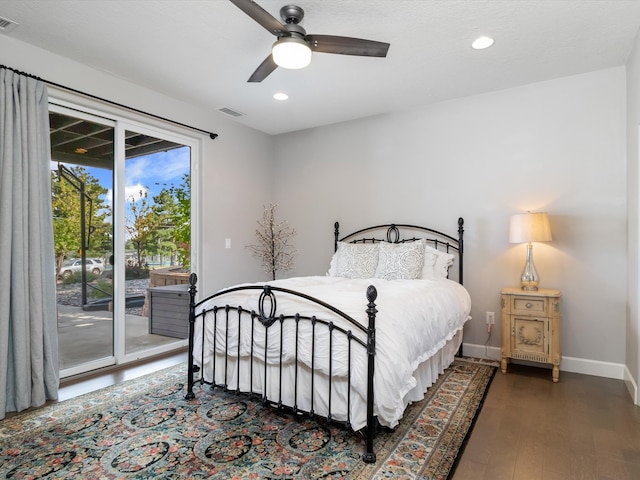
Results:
x,y
213,136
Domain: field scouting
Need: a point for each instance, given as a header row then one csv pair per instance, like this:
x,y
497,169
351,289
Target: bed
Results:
x,y
354,346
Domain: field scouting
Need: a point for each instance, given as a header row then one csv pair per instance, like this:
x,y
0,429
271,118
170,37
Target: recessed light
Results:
x,y
281,96
481,43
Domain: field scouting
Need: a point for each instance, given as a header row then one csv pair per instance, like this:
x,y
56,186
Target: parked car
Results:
x,y
69,267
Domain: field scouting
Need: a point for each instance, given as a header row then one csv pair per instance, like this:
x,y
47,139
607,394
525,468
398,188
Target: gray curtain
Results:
x,y
29,374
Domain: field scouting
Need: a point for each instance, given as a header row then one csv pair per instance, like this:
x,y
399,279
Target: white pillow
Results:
x,y
440,267
333,266
400,260
430,258
354,260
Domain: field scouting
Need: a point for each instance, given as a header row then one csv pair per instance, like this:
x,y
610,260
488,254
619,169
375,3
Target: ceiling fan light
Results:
x,y
291,52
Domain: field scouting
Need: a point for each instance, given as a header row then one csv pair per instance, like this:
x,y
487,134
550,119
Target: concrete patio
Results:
x,y
84,336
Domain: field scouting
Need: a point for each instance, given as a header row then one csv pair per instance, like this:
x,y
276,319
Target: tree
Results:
x,y
65,200
273,248
161,225
142,226
174,204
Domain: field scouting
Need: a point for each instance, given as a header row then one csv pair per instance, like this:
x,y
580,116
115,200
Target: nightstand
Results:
x,y
530,327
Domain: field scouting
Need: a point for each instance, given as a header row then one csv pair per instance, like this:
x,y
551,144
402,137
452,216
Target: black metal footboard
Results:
x,y
329,327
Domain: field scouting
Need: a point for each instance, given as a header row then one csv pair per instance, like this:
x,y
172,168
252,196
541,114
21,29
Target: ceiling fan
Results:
x,y
294,46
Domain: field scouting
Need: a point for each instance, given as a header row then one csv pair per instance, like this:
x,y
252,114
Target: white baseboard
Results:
x,y
632,386
568,364
593,367
480,351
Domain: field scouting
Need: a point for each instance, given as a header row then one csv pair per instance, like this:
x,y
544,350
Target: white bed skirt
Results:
x,y
281,386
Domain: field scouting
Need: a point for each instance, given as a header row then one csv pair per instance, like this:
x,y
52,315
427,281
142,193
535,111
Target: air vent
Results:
x,y
7,25
231,112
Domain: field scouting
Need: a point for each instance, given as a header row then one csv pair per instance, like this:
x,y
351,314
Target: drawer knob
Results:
x,y
528,305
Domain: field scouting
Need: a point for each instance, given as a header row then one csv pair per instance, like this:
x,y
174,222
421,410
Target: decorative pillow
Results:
x,y
354,260
442,262
400,260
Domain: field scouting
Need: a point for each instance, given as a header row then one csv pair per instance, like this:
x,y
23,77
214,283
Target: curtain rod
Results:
x,y
213,136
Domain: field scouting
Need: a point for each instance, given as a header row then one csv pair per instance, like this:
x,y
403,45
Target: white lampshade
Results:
x,y
529,227
291,52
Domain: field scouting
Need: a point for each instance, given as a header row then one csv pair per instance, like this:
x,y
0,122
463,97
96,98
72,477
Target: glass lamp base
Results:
x,y
529,279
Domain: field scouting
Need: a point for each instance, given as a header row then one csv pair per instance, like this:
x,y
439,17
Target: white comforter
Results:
x,y
415,319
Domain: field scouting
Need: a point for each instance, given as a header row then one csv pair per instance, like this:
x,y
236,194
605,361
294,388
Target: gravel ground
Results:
x,y
70,294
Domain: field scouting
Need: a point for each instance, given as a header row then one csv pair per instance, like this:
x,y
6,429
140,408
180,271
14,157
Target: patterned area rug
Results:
x,y
145,428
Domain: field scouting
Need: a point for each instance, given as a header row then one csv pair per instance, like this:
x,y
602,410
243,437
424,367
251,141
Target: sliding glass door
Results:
x,y
82,167
157,228
122,214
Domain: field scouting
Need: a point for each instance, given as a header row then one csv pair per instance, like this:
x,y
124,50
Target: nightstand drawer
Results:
x,y
535,306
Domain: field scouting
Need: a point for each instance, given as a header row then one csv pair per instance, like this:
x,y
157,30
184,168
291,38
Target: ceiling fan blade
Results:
x,y
264,70
261,16
347,45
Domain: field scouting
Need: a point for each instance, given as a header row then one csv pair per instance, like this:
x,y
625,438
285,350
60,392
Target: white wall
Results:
x,y
632,360
235,172
556,146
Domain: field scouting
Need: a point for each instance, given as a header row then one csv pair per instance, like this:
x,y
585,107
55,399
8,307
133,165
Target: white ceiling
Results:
x,y
203,52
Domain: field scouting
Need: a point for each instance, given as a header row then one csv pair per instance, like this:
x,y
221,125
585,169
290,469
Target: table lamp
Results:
x,y
527,228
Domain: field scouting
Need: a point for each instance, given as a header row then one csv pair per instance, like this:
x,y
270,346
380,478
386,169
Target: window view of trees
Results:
x,y
66,217
174,207
157,227
161,226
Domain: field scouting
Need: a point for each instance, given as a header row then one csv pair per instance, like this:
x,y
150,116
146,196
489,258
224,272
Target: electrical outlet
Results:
x,y
491,319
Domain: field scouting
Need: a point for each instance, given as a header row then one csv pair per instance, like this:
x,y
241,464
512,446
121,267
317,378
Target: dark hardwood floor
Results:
x,y
582,427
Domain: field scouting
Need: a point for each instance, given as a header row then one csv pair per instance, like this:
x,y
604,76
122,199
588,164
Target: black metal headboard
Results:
x,y
402,233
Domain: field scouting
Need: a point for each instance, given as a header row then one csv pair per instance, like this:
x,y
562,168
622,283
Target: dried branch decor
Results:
x,y
273,247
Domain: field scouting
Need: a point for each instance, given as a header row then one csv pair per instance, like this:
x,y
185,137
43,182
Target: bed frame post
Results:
x,y
460,263
460,249
193,279
336,229
369,455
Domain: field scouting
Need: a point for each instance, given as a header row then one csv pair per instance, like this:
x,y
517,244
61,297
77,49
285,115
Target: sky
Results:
x,y
147,173
153,172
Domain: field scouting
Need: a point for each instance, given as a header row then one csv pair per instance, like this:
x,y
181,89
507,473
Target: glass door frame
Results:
x,y
119,233
121,125
109,360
